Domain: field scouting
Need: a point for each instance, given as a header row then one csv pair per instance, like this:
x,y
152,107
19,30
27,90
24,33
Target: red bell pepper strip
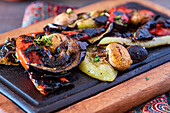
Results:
x,y
147,12
68,33
21,46
124,9
159,31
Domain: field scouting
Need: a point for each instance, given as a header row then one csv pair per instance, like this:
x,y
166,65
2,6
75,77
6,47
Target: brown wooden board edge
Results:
x,y
126,95
104,105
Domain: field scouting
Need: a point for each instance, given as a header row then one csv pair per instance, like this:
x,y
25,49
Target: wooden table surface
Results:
x,y
119,98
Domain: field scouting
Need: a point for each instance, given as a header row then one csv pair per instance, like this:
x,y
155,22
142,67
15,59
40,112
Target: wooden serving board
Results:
x,y
119,98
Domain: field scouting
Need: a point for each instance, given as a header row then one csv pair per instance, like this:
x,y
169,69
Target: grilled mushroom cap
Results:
x,y
65,18
119,57
137,53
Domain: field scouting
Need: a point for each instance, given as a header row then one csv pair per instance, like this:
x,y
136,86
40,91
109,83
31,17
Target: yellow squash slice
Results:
x,y
100,70
157,41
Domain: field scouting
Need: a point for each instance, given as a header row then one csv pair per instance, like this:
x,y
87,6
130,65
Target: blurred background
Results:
x,y
12,11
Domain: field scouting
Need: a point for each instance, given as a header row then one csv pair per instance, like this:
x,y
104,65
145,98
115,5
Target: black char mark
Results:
x,y
118,13
39,35
143,33
93,32
101,20
54,28
39,51
51,84
111,32
8,50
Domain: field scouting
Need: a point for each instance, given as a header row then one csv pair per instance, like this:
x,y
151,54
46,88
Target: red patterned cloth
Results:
x,y
38,11
157,105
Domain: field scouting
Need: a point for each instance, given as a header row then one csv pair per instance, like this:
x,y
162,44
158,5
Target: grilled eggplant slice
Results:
x,y
97,38
66,56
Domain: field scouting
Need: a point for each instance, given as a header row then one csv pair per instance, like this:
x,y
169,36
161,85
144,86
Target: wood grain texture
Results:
x,y
119,98
7,106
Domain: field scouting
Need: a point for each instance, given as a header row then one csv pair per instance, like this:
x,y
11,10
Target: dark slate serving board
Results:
x,y
16,85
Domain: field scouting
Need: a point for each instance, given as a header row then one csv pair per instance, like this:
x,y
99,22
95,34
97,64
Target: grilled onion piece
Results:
x,y
157,41
7,53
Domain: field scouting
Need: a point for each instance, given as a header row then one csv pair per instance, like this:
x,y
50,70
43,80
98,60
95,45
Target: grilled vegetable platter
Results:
x,y
100,43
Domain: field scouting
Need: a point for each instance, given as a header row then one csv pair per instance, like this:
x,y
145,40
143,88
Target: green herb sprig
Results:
x,y
118,19
45,40
97,58
147,78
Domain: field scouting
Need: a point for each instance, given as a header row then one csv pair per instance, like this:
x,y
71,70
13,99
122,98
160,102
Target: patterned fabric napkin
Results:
x,y
38,11
159,104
